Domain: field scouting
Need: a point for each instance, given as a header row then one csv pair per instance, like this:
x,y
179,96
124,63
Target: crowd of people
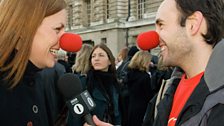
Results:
x,y
184,87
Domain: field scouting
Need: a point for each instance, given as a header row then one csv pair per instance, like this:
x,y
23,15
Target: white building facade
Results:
x,y
113,22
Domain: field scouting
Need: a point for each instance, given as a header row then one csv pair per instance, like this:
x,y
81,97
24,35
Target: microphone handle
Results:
x,y
89,119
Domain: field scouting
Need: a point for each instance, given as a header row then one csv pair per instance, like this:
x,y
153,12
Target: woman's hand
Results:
x,y
98,122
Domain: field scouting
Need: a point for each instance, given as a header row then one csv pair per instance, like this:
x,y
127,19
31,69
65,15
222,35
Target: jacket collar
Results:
x,y
214,71
30,73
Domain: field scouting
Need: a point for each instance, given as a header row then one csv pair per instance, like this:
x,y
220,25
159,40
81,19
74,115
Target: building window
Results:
x,y
106,9
88,4
104,40
91,42
140,8
70,16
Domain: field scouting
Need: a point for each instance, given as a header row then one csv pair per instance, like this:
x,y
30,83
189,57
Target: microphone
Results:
x,y
148,40
70,42
79,103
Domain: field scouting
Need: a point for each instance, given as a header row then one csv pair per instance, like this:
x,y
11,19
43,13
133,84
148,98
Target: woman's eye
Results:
x,y
57,30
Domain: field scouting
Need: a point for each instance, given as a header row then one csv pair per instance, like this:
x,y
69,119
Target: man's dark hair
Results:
x,y
212,10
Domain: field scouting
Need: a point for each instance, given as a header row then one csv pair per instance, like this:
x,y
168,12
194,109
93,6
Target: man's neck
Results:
x,y
197,62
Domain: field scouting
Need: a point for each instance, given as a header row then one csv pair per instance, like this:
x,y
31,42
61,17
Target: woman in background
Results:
x,y
139,86
81,65
102,84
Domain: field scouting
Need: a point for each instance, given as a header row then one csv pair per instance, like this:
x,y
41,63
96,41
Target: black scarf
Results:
x,y
100,79
104,81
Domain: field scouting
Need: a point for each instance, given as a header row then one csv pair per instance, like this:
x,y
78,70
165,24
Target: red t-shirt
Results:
x,y
183,92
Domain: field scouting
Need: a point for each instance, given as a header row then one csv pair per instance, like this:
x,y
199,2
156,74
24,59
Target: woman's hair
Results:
x,y
112,67
140,61
19,21
82,59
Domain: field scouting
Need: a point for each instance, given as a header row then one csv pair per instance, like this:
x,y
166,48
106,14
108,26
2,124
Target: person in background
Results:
x,y
139,87
122,69
71,58
191,37
160,76
102,84
81,65
122,55
122,79
29,41
154,63
63,60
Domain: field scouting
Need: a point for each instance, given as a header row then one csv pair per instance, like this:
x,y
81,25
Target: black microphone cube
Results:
x,y
81,105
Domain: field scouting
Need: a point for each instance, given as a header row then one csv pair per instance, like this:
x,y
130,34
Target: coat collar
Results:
x,y
214,71
30,73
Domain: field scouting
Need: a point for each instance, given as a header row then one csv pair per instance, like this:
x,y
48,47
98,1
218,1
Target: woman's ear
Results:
x,y
194,22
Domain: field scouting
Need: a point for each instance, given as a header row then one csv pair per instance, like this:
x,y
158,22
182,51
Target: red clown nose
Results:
x,y
148,40
70,42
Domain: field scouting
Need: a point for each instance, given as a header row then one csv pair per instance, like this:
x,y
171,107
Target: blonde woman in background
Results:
x,y
81,65
139,86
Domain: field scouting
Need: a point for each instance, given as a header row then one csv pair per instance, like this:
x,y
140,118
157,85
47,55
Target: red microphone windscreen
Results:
x,y
148,40
70,42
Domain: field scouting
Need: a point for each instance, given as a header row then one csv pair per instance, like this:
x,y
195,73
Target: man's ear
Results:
x,y
194,22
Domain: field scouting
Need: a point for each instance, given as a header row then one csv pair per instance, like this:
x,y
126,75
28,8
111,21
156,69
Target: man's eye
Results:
x,y
160,24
